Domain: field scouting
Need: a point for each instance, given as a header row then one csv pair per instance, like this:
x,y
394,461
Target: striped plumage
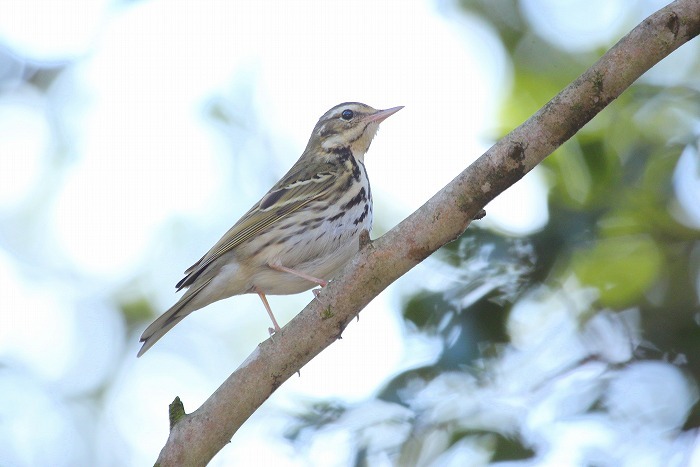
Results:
x,y
300,233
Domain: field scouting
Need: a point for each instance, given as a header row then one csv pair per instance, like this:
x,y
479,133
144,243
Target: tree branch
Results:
x,y
195,438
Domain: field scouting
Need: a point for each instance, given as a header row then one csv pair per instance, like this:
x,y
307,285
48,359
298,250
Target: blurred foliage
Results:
x,y
137,310
610,226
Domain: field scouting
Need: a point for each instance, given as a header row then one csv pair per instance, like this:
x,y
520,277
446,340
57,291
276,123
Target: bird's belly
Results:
x,y
319,252
274,282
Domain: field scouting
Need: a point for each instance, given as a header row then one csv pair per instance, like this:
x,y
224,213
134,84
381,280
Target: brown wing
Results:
x,y
294,191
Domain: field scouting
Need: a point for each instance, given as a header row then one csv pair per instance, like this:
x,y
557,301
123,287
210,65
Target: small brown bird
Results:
x,y
301,233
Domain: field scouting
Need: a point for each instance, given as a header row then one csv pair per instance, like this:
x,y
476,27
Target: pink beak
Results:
x,y
382,115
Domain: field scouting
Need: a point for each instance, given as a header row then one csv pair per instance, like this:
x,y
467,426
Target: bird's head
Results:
x,y
350,125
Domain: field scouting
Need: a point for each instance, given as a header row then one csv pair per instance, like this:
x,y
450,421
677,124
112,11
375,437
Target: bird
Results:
x,y
301,232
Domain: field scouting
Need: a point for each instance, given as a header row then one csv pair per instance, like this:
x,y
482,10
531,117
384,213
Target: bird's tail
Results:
x,y
169,319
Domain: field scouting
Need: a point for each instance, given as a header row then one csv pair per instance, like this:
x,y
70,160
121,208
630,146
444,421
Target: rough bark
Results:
x,y
195,438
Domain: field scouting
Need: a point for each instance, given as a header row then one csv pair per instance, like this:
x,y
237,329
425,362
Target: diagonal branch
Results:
x,y
195,438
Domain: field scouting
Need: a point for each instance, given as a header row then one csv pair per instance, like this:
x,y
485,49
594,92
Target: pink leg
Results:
x,y
315,280
269,310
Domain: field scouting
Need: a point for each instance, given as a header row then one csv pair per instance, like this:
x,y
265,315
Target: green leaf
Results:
x,y
621,268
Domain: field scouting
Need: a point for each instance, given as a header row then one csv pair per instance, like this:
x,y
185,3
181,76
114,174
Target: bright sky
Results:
x,y
150,183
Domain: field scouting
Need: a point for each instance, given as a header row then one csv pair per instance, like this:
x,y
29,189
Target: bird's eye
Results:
x,y
347,114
